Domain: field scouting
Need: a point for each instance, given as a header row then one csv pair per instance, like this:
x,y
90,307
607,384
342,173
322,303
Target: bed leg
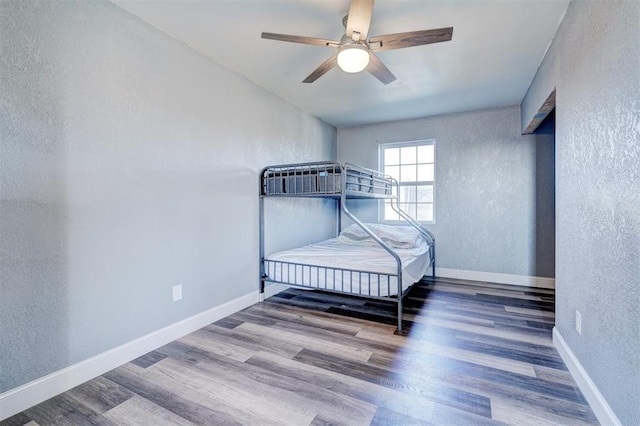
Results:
x,y
433,261
400,311
261,291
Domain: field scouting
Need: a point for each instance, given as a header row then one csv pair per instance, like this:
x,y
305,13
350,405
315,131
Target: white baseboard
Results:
x,y
598,404
494,277
25,396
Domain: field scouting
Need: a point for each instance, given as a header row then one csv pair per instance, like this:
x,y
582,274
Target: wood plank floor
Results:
x,y
475,353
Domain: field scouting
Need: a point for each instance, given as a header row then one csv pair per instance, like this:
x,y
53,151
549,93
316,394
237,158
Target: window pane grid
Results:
x,y
413,166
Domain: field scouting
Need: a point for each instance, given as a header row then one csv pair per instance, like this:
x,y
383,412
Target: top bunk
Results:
x,y
325,179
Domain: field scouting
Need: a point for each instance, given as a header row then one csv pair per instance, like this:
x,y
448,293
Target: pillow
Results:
x,y
404,237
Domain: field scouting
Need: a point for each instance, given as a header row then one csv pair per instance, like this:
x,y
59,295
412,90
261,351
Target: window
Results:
x,y
412,164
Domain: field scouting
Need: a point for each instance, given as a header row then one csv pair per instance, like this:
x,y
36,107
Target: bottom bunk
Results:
x,y
355,264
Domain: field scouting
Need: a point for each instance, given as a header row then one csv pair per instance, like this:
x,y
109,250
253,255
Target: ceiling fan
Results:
x,y
355,53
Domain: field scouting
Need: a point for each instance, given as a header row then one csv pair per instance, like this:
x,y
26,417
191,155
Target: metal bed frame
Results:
x,y
340,182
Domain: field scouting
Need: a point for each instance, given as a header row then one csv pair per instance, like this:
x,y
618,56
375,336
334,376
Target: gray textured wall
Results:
x,y
545,226
492,188
595,63
128,164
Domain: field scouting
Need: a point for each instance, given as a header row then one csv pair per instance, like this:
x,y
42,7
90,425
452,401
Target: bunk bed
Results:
x,y
373,261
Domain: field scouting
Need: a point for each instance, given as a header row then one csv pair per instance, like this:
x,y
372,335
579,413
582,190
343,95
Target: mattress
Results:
x,y
363,270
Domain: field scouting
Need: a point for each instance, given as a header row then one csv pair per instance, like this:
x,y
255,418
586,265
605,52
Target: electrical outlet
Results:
x,y
177,292
578,322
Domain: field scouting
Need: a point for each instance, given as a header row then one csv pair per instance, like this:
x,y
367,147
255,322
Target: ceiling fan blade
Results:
x,y
410,39
301,39
359,18
322,69
379,70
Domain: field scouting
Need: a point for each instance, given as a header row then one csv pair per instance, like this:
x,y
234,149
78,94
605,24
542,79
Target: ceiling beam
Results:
x,y
548,105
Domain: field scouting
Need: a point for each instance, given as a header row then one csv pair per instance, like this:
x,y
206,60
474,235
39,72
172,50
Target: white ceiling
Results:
x,y
496,48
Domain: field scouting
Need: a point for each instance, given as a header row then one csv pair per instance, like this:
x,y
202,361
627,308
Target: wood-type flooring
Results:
x,y
474,354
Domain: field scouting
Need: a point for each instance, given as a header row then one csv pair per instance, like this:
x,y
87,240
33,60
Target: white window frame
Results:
x,y
381,148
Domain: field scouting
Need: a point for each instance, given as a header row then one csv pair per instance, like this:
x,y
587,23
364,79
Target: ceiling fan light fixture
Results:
x,y
353,58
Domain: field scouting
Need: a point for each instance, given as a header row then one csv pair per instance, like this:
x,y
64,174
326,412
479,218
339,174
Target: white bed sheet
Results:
x,y
333,254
